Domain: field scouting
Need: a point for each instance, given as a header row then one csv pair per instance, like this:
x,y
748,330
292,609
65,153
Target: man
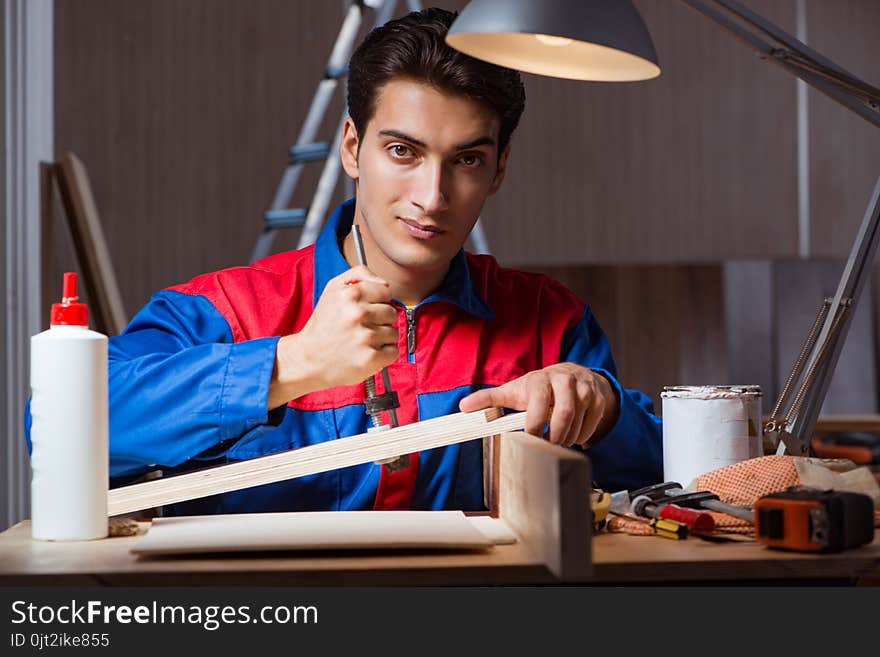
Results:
x,y
254,360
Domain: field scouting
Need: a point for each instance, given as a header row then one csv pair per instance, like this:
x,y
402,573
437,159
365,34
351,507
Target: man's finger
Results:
x,y
373,292
382,336
381,314
591,419
358,274
565,407
540,399
479,400
580,416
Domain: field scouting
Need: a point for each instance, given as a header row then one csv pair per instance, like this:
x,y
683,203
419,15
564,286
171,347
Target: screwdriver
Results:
x,y
661,526
388,401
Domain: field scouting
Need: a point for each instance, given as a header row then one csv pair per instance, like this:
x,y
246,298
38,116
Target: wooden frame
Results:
x,y
543,490
107,314
544,502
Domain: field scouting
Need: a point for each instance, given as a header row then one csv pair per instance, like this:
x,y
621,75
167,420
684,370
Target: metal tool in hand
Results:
x,y
387,401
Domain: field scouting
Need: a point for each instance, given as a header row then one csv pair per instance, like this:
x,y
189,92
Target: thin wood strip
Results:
x,y
99,276
330,455
491,474
843,423
47,177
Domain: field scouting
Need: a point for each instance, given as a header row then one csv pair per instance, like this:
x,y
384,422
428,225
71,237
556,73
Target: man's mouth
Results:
x,y
420,230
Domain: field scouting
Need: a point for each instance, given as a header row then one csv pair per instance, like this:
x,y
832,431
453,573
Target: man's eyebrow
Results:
x,y
479,141
402,135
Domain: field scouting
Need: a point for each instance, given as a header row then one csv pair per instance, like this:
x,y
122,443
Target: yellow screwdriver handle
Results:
x,y
669,528
600,505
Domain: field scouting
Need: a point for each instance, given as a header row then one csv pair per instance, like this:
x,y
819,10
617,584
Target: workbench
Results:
x,y
537,489
617,559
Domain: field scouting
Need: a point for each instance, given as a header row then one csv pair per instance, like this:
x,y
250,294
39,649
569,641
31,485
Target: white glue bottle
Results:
x,y
69,429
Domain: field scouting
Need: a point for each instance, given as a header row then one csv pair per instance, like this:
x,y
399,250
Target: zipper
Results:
x,y
410,334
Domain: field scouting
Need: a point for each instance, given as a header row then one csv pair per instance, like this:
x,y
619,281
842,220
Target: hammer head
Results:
x,y
657,491
671,492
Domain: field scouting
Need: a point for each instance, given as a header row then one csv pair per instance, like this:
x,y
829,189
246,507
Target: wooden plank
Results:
x,y
330,455
545,498
44,303
105,301
848,423
312,530
491,472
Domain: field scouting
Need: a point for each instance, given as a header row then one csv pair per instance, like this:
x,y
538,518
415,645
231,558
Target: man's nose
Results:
x,y
429,191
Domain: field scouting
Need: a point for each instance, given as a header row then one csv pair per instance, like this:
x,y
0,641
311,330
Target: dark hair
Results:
x,y
414,47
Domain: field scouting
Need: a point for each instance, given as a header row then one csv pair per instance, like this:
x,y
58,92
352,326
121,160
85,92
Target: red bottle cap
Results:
x,y
69,312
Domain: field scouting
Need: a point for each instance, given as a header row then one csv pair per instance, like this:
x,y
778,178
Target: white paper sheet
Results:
x,y
321,530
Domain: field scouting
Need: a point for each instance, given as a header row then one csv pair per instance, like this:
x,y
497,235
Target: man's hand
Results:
x,y
351,335
583,403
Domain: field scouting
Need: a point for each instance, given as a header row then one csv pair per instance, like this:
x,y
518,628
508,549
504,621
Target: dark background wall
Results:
x,y
634,194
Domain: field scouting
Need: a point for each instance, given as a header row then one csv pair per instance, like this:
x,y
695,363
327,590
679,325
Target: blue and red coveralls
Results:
x,y
189,380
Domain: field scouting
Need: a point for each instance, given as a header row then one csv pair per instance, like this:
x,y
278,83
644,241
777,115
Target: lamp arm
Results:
x,y
794,56
795,428
801,422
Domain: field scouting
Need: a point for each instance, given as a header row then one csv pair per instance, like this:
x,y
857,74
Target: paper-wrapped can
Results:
x,y
709,427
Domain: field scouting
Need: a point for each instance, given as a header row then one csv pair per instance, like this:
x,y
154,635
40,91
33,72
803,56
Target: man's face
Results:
x,y
424,167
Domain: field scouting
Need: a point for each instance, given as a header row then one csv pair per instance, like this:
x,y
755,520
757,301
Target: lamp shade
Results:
x,y
601,40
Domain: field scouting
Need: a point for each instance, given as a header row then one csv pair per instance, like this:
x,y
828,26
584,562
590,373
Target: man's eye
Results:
x,y
471,160
399,150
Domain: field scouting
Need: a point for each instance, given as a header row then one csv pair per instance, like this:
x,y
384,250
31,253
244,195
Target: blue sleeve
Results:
x,y
181,389
630,455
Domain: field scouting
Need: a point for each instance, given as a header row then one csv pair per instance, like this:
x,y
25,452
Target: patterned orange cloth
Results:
x,y
744,482
740,484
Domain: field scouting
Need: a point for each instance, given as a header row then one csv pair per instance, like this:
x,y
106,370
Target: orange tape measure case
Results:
x,y
810,520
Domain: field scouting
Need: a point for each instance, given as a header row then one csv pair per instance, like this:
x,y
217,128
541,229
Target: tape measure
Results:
x,y
600,505
810,520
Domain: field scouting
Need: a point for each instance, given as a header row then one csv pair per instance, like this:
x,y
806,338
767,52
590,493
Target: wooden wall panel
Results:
x,y
183,113
770,308
741,323
799,288
844,148
750,338
697,165
665,324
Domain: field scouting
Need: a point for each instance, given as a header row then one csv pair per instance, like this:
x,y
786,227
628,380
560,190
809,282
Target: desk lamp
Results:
x,y
607,40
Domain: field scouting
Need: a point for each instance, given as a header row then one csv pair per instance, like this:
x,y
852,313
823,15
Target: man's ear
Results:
x,y
502,169
348,149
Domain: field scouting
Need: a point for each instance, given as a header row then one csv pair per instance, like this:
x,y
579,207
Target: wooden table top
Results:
x,y
617,558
